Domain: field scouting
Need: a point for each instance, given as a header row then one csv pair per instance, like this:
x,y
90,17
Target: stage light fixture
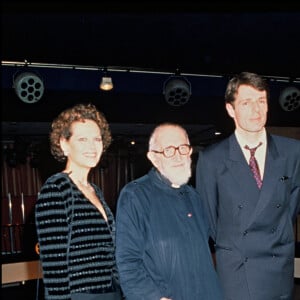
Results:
x,y
177,90
289,99
29,87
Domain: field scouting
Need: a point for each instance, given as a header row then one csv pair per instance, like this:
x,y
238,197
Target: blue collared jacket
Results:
x,y
162,245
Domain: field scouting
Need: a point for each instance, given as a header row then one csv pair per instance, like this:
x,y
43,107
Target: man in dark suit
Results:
x,y
252,214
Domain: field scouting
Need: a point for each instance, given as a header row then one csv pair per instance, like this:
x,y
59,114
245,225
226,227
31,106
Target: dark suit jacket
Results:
x,y
252,228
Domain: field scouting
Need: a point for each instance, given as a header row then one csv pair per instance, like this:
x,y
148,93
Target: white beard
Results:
x,y
178,176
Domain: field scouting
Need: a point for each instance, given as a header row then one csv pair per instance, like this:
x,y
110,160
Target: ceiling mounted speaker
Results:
x,y
289,99
29,87
177,90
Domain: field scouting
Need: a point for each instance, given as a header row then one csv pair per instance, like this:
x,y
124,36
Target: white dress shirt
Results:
x,y
260,153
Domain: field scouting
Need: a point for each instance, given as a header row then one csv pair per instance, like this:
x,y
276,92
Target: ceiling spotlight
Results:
x,y
289,99
106,83
177,90
29,87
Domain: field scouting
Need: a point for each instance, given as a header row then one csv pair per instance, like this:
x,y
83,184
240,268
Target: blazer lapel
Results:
x,y
273,168
242,177
238,166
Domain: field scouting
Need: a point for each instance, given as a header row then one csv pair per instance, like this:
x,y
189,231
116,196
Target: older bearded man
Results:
x,y
162,236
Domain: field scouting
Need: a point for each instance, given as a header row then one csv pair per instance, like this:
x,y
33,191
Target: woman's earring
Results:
x,y
66,153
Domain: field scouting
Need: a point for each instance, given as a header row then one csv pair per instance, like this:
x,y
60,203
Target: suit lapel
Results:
x,y
247,191
256,199
239,167
273,168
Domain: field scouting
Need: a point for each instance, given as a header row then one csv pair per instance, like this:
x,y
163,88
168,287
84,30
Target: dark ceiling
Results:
x,y
142,48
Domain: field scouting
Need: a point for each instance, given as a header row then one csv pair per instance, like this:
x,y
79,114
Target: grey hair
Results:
x,y
153,137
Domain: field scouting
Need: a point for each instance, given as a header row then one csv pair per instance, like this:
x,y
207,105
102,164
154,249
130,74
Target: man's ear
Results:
x,y
152,157
230,110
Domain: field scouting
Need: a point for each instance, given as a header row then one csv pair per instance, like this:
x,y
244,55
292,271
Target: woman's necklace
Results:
x,y
82,184
86,188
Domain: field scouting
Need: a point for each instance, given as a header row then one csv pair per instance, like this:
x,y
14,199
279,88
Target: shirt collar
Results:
x,y
243,142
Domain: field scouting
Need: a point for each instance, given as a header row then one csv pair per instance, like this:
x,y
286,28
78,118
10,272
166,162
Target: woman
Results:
x,y
75,227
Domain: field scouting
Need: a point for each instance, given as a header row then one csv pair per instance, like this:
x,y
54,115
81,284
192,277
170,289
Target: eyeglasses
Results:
x,y
170,151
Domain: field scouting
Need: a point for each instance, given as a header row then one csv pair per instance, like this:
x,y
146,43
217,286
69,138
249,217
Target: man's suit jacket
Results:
x,y
252,228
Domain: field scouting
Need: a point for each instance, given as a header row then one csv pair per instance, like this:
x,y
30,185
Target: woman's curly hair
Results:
x,y
61,127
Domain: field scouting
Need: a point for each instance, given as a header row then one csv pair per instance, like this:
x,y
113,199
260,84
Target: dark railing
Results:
x,y
18,233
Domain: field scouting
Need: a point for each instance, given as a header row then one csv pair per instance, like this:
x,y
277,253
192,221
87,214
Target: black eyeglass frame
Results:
x,y
163,152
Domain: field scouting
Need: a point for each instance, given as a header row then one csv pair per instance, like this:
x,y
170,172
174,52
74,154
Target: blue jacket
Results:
x,y
162,242
252,228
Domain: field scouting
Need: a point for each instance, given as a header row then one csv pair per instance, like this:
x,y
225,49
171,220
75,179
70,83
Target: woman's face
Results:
x,y
84,148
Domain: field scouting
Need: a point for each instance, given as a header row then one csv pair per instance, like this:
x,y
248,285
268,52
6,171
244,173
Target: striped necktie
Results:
x,y
254,165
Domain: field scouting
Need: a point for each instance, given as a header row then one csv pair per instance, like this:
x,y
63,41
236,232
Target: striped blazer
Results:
x,y
64,214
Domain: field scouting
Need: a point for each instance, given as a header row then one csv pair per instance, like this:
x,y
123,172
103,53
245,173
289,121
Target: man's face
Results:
x,y
249,109
177,168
